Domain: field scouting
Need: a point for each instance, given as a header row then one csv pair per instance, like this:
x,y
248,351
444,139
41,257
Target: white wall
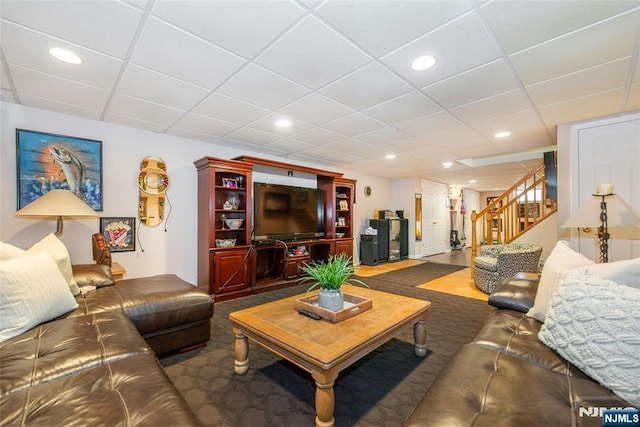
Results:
x,y
618,164
170,251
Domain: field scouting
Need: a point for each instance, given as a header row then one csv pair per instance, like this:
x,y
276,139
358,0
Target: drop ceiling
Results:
x,y
225,71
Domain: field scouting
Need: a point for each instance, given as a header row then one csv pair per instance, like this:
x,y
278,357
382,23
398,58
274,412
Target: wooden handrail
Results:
x,y
513,212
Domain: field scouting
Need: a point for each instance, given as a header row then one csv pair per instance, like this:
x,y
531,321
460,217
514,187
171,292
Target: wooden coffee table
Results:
x,y
323,348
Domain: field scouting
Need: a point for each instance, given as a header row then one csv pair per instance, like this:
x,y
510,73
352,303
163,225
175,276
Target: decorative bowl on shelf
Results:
x,y
234,223
339,235
225,243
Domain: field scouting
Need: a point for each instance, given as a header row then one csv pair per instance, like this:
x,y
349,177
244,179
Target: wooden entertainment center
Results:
x,y
243,268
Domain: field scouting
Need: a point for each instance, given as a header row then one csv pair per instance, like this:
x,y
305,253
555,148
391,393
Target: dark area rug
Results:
x,y
381,389
419,274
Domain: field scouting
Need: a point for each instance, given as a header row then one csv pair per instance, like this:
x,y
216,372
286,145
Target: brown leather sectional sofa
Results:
x,y
97,365
507,377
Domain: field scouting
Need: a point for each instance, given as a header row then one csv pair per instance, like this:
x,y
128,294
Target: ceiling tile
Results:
x,y
242,27
500,105
262,87
228,109
134,123
602,78
5,94
521,120
366,87
312,54
289,145
587,107
633,100
384,136
189,134
268,124
171,51
327,154
481,82
96,69
205,125
316,108
615,39
373,25
425,126
142,83
46,86
318,136
252,136
403,108
354,124
521,24
105,26
458,46
127,106
59,107
351,145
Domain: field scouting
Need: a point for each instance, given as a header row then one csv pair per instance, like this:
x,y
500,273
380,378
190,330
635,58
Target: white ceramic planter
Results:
x,y
331,299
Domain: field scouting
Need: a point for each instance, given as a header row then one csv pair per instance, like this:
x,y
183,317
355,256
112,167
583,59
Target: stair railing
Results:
x,y
513,213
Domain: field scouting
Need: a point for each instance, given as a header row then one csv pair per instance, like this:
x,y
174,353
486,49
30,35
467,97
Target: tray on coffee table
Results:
x,y
353,305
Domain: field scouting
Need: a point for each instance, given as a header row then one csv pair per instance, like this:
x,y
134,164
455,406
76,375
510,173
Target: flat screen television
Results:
x,y
282,212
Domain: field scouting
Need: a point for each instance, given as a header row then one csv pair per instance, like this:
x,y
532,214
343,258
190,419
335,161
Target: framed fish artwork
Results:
x,y
48,161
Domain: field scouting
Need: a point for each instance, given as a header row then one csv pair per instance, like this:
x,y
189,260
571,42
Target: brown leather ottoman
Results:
x,y
168,312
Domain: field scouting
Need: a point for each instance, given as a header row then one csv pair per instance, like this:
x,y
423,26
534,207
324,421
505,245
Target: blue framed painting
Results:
x,y
48,161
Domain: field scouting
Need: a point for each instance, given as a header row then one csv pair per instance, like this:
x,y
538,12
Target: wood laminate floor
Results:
x,y
459,283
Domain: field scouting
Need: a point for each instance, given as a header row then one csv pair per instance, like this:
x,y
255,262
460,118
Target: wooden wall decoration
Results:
x,y
418,217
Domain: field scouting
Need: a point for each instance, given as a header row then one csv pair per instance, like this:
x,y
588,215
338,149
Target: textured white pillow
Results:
x,y
561,261
8,251
32,291
595,324
58,251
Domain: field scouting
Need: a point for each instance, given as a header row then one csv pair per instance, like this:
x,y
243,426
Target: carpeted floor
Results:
x,y
379,390
419,274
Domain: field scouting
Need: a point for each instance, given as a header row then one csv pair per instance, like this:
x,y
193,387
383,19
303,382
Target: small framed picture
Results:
x,y
229,183
119,232
342,222
344,206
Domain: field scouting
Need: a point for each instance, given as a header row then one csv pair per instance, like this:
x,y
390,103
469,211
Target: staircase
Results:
x,y
513,213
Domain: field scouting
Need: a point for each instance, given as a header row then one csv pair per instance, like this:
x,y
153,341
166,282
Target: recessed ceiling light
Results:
x,y
502,134
422,63
65,55
473,181
390,156
283,123
447,165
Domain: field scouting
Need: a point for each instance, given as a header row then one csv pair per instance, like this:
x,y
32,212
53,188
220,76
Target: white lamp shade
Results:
x,y
619,214
57,203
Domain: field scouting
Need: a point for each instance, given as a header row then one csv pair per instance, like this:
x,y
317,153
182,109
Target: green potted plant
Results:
x,y
329,276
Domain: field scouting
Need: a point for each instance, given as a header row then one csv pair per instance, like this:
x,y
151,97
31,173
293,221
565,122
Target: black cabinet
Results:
x,y
392,239
369,249
382,225
404,238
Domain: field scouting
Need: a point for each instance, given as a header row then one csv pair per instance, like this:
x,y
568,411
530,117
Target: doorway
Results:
x,y
434,219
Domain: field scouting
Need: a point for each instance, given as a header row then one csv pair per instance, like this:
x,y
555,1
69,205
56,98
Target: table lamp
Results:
x,y
604,210
57,203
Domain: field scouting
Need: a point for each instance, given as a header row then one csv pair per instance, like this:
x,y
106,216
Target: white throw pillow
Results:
x,y
8,251
595,324
626,272
561,261
58,251
32,291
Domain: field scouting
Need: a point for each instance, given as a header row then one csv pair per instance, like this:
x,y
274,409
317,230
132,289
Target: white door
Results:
x,y
610,154
434,218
